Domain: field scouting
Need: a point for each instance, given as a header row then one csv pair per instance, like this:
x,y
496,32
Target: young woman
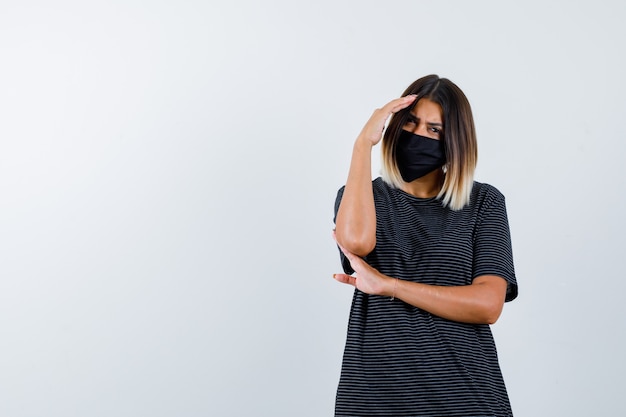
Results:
x,y
429,252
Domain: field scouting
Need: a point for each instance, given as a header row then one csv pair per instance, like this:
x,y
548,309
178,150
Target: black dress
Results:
x,y
403,361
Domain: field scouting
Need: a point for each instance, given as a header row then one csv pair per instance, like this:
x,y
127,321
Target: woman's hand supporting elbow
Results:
x,y
478,303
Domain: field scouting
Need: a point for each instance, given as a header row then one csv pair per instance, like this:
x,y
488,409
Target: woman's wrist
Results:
x,y
363,144
390,287
395,288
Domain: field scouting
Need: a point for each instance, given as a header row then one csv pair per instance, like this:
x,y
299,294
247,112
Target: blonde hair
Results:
x,y
459,138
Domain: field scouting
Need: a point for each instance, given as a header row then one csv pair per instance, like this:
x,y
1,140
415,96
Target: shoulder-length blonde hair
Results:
x,y
459,139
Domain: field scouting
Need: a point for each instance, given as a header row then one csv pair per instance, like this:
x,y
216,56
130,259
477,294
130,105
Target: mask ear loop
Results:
x,y
444,167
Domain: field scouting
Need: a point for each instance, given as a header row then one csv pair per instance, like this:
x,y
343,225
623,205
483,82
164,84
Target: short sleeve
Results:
x,y
345,263
493,254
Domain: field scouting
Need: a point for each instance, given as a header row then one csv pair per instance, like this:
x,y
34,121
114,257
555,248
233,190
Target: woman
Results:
x,y
432,254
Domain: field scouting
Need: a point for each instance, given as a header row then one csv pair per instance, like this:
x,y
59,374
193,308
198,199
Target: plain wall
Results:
x,y
168,171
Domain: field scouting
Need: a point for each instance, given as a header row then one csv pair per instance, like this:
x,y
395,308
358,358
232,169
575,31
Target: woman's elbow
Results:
x,y
490,299
493,316
491,312
358,245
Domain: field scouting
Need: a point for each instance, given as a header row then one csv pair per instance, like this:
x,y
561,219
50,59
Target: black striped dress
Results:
x,y
402,361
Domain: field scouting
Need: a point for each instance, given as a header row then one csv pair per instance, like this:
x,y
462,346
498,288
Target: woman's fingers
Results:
x,y
395,106
351,256
338,244
376,124
345,278
398,104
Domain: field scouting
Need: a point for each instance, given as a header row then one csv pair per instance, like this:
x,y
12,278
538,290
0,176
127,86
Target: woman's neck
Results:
x,y
427,186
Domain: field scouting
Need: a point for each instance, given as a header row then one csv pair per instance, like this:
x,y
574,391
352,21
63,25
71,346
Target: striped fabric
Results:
x,y
402,361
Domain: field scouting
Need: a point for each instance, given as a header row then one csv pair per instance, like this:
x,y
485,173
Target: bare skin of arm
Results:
x,y
478,303
355,225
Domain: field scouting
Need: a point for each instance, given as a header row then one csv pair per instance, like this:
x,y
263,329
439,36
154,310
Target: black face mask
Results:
x,y
418,155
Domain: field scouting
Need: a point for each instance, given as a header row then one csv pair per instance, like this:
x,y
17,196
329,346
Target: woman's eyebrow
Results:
x,y
414,117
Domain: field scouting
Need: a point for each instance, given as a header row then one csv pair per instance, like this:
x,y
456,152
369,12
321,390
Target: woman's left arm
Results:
x,y
480,302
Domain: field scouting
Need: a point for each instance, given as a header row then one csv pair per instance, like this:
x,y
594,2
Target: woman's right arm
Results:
x,y
355,224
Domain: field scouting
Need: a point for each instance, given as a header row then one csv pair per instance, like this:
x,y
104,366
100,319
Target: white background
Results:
x,y
168,171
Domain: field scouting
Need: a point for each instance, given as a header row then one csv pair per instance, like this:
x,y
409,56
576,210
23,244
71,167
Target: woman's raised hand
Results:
x,y
356,216
372,132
